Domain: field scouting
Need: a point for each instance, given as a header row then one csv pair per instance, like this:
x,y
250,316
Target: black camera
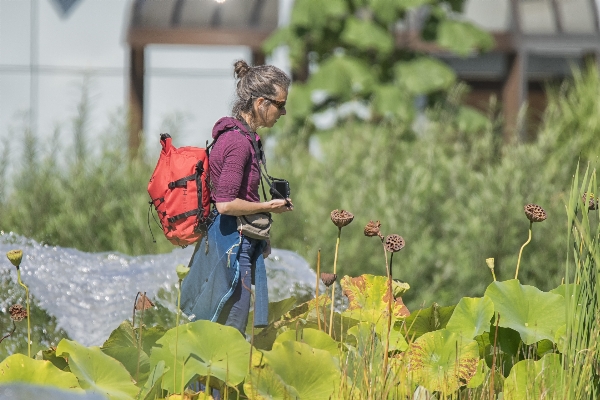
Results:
x,y
280,189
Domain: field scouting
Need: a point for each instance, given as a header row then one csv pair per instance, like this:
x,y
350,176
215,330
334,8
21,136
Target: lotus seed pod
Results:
x,y
143,302
17,312
372,229
182,271
341,218
592,204
15,257
394,243
535,213
490,263
328,279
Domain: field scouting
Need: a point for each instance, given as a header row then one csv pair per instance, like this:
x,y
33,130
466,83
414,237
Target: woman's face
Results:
x,y
270,109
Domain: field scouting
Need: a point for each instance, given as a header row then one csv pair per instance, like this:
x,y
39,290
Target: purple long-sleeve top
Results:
x,y
234,171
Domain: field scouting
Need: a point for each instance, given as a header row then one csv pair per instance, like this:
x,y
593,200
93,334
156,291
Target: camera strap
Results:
x,y
261,160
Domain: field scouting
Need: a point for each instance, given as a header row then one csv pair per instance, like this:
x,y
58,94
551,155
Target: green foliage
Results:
x,y
534,314
449,186
44,327
535,379
20,368
97,372
95,201
364,33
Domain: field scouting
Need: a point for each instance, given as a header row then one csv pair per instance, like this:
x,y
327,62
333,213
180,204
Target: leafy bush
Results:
x,y
453,191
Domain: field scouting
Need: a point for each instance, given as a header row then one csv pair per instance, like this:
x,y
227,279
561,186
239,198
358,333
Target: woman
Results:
x,y
226,262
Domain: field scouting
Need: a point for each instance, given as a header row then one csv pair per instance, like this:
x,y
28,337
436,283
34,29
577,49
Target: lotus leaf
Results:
x,y
368,298
20,368
470,120
471,317
443,361
28,391
536,315
479,377
463,37
313,337
203,348
427,320
424,75
293,370
366,35
96,371
530,379
151,388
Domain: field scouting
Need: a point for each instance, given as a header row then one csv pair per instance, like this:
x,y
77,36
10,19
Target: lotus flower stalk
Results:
x,y
393,243
317,288
15,257
490,264
340,219
534,213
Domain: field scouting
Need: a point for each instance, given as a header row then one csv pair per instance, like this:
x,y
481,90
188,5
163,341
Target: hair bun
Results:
x,y
240,69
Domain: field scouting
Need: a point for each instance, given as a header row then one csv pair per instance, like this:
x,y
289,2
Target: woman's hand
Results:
x,y
279,206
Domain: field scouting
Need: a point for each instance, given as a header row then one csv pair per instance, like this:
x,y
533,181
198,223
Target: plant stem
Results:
x,y
337,245
28,313
522,247
494,359
10,333
177,334
317,288
389,321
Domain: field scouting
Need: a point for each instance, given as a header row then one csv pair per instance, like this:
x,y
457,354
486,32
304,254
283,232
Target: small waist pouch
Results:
x,y
255,226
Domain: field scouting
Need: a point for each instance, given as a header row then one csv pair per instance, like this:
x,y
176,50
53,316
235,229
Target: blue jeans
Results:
x,y
236,309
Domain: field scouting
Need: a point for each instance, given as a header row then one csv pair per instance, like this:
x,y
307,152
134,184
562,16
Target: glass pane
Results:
x,y
492,15
537,16
577,16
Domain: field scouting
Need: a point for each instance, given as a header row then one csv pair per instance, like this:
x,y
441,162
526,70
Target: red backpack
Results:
x,y
179,191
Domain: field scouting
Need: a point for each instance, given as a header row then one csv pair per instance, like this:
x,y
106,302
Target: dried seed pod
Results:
x,y
372,229
341,218
17,312
394,243
143,302
592,204
535,213
328,279
15,257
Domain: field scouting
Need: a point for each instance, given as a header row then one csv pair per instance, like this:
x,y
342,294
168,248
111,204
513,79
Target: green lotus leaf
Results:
x,y
479,377
312,337
427,320
50,355
368,298
463,37
443,361
201,348
471,317
293,370
20,368
536,315
424,75
96,371
530,379
151,388
342,77
562,289
28,391
366,35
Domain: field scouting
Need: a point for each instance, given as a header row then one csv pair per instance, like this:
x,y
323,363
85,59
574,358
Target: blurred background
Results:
x,y
439,118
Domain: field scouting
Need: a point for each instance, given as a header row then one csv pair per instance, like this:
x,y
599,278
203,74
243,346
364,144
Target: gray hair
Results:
x,y
253,82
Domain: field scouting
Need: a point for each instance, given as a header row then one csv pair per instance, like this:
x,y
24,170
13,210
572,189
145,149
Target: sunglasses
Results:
x,y
276,103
